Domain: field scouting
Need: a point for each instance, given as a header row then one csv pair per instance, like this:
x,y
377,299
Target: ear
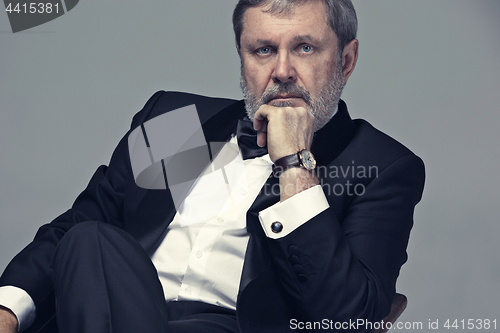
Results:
x,y
238,50
349,58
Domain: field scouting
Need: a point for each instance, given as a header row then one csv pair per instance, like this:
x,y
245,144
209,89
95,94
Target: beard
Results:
x,y
321,106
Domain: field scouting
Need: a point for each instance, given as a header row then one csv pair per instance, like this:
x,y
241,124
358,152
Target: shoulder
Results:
x,y
376,140
372,146
165,101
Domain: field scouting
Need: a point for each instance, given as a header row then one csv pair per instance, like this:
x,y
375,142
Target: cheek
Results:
x,y
257,76
311,78
315,77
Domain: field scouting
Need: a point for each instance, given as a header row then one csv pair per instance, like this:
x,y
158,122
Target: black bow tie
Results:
x,y
247,140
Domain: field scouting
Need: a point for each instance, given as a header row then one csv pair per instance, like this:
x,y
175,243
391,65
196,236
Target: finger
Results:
x,y
262,135
261,139
258,123
264,126
260,118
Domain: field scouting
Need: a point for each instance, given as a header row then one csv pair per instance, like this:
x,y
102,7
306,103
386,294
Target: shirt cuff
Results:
x,y
293,212
20,303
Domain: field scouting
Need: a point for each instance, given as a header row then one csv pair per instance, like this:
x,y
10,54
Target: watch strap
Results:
x,y
285,162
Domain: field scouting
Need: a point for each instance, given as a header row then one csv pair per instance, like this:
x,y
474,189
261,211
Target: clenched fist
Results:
x,y
287,130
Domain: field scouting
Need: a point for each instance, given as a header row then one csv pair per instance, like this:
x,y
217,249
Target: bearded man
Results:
x,y
303,225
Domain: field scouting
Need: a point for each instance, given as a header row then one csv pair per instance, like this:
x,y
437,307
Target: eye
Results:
x,y
264,50
306,48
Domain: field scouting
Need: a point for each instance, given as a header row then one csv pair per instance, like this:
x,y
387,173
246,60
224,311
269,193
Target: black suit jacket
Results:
x,y
341,265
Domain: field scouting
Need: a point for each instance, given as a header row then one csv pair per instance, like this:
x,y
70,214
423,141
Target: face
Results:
x,y
291,60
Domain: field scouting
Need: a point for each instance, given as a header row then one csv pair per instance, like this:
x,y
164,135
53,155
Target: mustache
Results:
x,y
286,88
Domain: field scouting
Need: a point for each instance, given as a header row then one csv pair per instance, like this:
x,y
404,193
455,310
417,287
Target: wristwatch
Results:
x,y
303,158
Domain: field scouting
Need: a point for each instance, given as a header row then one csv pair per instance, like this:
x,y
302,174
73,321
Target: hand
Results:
x,y
8,321
287,130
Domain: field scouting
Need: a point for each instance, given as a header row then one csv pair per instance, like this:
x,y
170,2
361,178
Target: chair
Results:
x,y
45,321
397,307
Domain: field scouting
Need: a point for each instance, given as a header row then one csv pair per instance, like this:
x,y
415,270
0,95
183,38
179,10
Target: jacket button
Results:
x,y
302,278
276,227
297,269
293,249
294,260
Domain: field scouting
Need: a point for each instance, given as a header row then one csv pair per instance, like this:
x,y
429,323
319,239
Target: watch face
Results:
x,y
308,159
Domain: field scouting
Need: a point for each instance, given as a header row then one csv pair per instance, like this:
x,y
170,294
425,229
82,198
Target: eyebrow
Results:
x,y
305,38
297,38
264,41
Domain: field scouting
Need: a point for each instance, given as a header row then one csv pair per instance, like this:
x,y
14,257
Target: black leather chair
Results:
x,y
397,307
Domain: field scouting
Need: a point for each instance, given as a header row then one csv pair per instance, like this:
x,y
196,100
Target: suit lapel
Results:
x,y
222,125
333,138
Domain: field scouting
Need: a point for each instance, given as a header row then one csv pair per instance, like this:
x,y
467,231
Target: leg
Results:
x,y
105,282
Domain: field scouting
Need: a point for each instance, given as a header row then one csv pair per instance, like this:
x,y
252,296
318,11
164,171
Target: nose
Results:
x,y
284,70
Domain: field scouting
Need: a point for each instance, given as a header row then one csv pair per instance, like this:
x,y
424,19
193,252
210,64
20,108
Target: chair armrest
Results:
x,y
397,307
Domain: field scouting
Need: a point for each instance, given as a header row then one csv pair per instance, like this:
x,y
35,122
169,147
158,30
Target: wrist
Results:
x,y
294,180
8,319
303,158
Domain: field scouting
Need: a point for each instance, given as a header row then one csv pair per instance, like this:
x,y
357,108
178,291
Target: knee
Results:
x,y
89,236
76,243
85,231
82,232
82,242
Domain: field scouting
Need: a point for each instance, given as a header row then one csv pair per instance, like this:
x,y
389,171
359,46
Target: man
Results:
x,y
316,238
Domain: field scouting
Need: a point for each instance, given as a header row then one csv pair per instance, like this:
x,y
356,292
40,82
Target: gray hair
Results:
x,y
341,16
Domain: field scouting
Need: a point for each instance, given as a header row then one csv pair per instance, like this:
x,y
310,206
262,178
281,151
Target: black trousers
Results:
x,y
105,282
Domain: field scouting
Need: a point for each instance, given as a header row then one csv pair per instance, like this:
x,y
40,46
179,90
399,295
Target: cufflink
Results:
x,y
276,227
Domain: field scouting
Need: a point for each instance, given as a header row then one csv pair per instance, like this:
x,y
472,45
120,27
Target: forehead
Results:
x,y
309,19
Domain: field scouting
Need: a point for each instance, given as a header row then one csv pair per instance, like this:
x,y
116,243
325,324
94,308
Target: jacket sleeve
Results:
x,y
102,200
345,267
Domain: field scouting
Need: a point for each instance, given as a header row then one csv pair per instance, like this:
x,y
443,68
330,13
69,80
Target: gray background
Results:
x,y
428,75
